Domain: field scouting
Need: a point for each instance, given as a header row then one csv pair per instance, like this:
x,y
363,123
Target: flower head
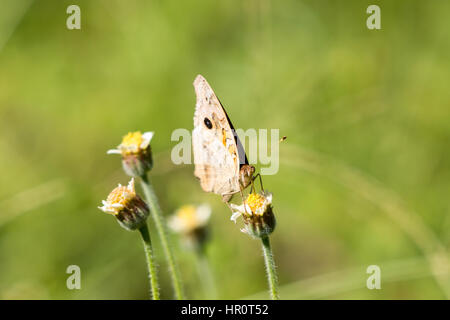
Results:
x,y
136,153
257,213
133,143
129,209
191,222
189,217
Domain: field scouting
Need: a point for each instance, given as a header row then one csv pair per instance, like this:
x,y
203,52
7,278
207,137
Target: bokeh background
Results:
x,y
364,175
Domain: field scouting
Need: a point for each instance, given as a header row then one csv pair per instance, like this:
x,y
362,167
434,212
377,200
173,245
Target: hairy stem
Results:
x,y
150,262
270,268
160,224
205,276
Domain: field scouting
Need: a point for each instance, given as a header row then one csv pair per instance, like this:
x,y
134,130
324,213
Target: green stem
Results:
x,y
270,268
150,262
205,276
160,224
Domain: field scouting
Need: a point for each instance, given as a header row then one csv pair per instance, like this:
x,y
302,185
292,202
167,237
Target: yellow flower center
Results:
x,y
256,202
188,215
131,142
120,195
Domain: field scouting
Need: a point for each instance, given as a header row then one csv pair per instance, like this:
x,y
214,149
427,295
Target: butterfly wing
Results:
x,y
217,150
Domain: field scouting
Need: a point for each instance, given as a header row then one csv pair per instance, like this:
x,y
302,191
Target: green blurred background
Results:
x,y
364,175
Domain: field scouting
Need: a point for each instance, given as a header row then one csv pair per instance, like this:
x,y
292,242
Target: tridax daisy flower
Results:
x,y
136,153
257,213
129,209
191,222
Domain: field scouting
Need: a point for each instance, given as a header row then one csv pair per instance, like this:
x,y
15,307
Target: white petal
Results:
x,y
131,186
106,209
113,151
246,209
237,208
175,224
269,197
203,213
146,137
235,215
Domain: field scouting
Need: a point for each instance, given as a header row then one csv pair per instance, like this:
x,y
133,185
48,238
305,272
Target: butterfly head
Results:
x,y
246,175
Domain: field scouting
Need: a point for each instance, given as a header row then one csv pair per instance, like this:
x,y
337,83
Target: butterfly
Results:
x,y
219,157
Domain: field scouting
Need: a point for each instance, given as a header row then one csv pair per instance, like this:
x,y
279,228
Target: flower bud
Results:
x,y
129,209
257,213
136,153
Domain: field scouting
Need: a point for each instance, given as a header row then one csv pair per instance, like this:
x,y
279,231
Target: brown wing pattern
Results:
x,y
216,147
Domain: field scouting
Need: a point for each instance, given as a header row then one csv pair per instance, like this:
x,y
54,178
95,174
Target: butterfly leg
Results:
x,y
260,182
243,199
226,197
252,186
229,206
